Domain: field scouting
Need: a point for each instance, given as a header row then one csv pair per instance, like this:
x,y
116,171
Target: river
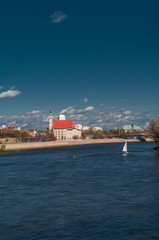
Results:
x,y
86,192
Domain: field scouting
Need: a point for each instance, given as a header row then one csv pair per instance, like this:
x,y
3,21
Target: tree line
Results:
x,y
13,133
103,134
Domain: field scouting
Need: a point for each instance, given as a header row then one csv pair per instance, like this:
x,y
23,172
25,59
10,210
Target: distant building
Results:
x,y
61,117
63,129
131,128
3,127
31,131
85,128
97,129
14,128
78,126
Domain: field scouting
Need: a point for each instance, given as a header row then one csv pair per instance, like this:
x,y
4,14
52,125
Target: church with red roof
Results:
x,y
63,124
63,129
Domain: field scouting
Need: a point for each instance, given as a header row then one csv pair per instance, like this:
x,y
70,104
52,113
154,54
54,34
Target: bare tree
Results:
x,y
154,129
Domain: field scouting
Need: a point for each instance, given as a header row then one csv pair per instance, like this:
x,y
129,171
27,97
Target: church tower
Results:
x,y
50,121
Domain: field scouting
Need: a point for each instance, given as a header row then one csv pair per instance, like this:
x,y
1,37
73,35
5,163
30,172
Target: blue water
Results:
x,y
89,192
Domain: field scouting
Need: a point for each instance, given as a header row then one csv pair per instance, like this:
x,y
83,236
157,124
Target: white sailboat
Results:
x,y
125,149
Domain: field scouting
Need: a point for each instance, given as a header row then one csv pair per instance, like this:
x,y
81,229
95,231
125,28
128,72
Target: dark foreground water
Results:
x,y
88,192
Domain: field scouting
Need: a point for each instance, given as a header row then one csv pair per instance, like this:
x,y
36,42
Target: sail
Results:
x,y
125,147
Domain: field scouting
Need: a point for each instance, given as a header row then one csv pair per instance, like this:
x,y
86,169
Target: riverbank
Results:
x,y
34,145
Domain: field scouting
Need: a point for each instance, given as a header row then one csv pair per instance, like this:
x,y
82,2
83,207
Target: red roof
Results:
x,y
63,124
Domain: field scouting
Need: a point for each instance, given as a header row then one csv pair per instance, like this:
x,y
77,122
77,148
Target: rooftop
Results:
x,y
63,124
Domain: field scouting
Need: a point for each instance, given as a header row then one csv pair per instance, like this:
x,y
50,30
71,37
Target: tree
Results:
x,y
154,129
13,133
75,137
120,132
99,135
83,135
49,135
89,131
3,148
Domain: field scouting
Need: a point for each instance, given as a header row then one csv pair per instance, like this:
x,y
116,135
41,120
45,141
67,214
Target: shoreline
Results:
x,y
36,145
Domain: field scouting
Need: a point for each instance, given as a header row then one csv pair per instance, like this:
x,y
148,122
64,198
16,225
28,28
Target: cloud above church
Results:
x,y
87,109
68,110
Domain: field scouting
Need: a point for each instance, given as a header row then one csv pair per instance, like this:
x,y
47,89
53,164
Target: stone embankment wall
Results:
x,y
18,146
33,145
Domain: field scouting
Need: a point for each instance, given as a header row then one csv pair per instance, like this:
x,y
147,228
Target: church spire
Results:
x,y
50,120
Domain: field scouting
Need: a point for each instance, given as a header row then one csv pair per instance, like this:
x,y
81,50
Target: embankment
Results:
x,y
22,146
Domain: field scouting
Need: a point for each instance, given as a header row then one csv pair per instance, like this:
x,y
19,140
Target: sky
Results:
x,y
97,62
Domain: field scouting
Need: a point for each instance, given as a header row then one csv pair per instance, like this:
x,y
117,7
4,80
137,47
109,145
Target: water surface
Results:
x,y
80,192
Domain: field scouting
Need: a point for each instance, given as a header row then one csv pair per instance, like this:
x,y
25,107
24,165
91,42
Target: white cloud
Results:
x,y
10,93
106,118
85,100
99,121
68,110
58,17
34,112
37,120
87,109
90,108
118,116
127,112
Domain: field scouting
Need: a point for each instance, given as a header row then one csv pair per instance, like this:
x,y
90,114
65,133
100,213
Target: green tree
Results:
x,y
89,131
118,131
154,129
9,133
99,135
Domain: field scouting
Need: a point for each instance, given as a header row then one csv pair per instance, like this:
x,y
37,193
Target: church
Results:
x,y
63,129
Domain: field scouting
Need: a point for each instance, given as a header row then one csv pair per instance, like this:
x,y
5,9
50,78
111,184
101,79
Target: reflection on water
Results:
x,y
80,192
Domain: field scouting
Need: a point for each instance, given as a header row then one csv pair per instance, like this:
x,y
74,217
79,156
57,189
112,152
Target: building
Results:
x,y
14,128
61,117
78,126
63,129
131,128
31,132
4,127
97,129
85,128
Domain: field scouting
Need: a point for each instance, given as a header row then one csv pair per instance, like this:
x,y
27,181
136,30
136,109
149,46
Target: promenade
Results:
x,y
34,145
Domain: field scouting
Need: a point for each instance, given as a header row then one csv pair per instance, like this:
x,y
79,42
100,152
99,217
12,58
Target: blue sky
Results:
x,y
95,61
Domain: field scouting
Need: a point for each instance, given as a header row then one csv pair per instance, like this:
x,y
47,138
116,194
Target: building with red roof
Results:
x,y
63,129
63,124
